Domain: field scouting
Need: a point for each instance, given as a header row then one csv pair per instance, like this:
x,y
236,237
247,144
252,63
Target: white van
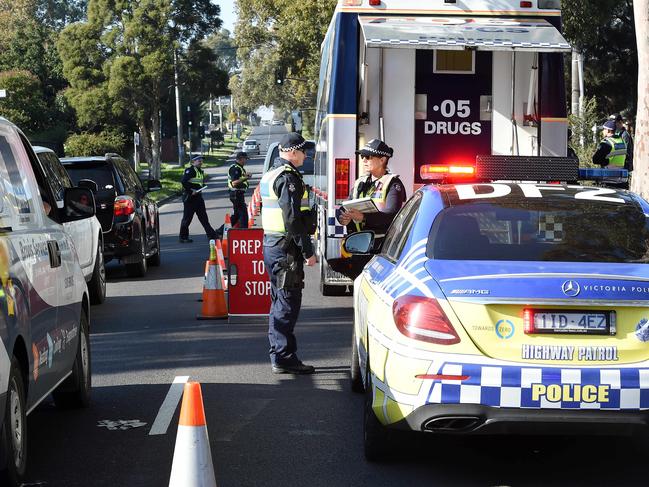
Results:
x,y
44,300
86,233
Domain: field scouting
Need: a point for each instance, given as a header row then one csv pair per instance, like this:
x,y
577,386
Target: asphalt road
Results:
x,y
265,430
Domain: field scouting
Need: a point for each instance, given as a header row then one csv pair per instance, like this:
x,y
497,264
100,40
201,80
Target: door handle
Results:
x,y
55,253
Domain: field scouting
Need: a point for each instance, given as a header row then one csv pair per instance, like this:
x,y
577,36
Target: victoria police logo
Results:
x,y
642,330
570,288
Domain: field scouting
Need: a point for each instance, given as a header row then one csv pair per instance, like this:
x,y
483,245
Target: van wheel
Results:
x,y
14,428
154,260
75,391
97,285
139,268
356,380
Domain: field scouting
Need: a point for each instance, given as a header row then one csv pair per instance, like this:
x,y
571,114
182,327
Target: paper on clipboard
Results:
x,y
364,205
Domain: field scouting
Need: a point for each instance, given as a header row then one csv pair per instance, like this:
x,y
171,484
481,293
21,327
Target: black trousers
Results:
x,y
239,209
195,205
284,309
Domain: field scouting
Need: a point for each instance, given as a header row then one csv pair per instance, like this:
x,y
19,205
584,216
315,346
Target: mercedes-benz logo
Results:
x,y
570,288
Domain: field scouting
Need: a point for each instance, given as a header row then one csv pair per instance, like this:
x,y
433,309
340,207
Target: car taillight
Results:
x,y
124,206
423,319
342,179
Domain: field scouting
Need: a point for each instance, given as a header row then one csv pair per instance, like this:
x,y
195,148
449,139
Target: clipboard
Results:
x,y
364,205
200,190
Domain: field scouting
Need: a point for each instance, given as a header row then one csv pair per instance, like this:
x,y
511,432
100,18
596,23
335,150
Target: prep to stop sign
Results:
x,y
249,286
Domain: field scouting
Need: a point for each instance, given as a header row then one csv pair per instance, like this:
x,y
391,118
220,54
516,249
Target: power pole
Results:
x,y
179,121
640,177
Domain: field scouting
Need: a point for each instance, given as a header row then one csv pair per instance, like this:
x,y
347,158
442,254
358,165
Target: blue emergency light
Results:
x,y
598,173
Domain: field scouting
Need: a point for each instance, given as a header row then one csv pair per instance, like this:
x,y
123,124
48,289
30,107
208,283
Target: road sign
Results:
x,y
136,138
3,93
248,284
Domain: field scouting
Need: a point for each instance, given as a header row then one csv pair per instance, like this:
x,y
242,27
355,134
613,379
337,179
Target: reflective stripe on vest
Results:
x,y
272,218
198,178
617,156
245,184
378,192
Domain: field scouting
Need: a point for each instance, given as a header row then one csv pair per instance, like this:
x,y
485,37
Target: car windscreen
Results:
x,y
100,173
564,229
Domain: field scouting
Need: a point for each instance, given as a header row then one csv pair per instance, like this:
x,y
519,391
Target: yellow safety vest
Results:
x,y
199,178
378,192
246,184
272,218
617,156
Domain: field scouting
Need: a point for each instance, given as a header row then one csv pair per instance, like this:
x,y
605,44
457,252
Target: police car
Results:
x,y
495,306
44,301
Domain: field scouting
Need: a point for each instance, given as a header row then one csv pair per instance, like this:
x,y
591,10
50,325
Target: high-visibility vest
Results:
x,y
245,184
199,176
378,192
272,218
617,156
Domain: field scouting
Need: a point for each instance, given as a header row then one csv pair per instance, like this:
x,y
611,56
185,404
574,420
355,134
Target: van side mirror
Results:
x,y
78,203
153,185
359,243
88,184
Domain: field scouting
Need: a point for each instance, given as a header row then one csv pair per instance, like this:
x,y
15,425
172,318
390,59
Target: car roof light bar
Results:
x,y
599,173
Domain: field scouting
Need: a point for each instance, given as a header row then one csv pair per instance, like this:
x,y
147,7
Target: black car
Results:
x,y
128,217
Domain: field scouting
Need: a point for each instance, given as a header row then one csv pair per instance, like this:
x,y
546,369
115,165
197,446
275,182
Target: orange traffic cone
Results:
x,y
192,464
214,305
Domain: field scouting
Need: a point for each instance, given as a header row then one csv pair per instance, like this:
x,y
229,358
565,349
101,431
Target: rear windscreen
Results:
x,y
99,173
567,229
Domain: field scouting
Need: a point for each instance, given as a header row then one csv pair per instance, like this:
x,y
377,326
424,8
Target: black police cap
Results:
x,y
242,154
291,141
376,147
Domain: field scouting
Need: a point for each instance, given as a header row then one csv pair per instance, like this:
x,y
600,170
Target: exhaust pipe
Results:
x,y
452,424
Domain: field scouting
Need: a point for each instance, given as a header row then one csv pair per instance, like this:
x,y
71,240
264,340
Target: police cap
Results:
x,y
242,154
197,158
609,125
292,141
376,147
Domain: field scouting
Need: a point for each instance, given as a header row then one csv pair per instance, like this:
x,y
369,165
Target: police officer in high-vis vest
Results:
x,y
385,189
193,182
611,152
237,185
288,224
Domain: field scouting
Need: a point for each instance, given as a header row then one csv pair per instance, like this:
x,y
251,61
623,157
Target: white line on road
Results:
x,y
168,408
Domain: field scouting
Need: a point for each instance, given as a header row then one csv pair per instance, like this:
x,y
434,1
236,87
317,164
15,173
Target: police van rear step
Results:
x,y
333,277
527,168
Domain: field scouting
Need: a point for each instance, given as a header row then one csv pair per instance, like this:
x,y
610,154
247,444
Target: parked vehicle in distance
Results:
x,y
278,122
44,301
86,233
251,147
128,217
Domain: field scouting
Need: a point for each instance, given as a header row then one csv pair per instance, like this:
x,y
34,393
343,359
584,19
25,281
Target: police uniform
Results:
x,y
612,150
237,192
194,179
287,223
624,134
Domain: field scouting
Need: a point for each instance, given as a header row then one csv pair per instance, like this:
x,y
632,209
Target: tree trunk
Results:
x,y
156,170
640,180
145,141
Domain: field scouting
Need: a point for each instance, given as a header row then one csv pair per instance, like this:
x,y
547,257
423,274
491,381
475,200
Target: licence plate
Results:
x,y
577,322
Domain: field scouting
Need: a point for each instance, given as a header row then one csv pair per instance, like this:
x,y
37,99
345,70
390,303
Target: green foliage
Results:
x,y
583,140
280,37
604,31
87,144
24,104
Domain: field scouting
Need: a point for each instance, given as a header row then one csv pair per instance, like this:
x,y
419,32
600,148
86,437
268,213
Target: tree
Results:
x,y
225,50
24,104
280,39
640,180
603,30
120,61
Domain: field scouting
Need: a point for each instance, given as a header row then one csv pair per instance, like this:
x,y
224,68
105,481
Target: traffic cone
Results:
x,y
221,261
214,305
192,463
226,227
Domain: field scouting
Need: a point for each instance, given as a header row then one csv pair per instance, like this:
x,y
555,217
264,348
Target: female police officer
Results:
x,y
287,224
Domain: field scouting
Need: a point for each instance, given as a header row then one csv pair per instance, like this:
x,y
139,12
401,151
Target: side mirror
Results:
x,y
153,185
88,184
359,243
78,203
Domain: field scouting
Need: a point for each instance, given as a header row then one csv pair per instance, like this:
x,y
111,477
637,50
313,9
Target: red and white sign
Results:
x,y
249,286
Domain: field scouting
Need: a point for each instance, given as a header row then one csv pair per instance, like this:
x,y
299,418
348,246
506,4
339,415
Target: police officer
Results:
x,y
288,223
612,149
194,180
384,188
621,131
238,184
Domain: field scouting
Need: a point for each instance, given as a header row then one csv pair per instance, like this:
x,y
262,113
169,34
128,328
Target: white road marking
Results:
x,y
168,408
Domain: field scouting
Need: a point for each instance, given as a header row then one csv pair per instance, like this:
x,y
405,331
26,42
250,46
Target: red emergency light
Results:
x,y
439,172
375,3
342,179
526,4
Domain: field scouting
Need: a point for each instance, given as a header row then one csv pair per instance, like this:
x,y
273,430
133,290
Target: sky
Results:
x,y
227,13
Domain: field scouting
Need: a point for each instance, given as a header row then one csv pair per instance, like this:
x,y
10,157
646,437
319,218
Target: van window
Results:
x,y
16,186
57,176
454,62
